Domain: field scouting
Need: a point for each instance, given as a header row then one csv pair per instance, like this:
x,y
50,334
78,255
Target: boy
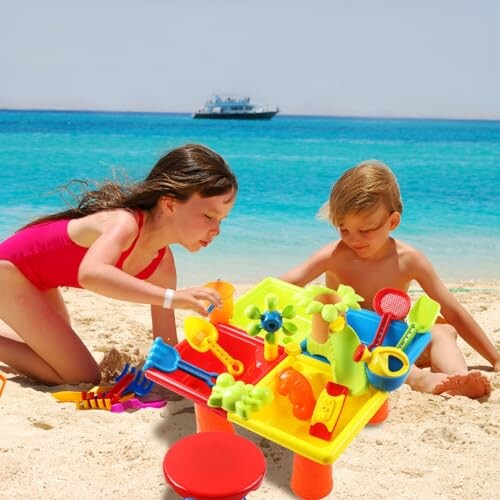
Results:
x,y
365,205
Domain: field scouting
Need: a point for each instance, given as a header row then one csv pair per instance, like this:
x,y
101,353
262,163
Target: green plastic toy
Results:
x,y
238,397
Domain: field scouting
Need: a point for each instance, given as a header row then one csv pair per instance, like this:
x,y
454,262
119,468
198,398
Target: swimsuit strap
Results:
x,y
151,268
127,252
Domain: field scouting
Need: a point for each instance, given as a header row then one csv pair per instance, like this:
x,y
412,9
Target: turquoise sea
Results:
x,y
449,173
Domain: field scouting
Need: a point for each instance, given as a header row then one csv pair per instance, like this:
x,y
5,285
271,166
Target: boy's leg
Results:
x,y
471,384
50,350
445,354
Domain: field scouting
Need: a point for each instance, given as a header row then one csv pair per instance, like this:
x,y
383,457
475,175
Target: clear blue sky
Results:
x,y
435,58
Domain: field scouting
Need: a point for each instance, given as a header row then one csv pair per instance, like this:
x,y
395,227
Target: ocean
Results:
x,y
449,174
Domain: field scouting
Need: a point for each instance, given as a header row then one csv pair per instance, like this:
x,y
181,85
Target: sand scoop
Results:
x,y
421,318
202,336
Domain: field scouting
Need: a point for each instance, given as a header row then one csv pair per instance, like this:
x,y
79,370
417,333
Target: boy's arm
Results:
x,y
313,267
454,313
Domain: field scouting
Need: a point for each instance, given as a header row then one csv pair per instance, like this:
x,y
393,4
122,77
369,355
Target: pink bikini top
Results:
x,y
48,257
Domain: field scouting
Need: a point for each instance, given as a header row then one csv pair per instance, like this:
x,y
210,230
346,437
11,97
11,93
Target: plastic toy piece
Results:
x,y
75,396
140,385
238,397
292,383
391,303
104,400
100,402
331,313
226,292
386,367
271,321
202,336
94,404
327,410
421,318
166,358
338,350
136,404
3,381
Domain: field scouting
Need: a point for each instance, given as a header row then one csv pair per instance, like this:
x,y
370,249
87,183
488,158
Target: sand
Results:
x,y
429,447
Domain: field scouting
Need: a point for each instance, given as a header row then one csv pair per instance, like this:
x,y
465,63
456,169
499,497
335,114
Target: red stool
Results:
x,y
214,465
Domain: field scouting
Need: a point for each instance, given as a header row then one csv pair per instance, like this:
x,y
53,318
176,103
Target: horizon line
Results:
x,y
361,117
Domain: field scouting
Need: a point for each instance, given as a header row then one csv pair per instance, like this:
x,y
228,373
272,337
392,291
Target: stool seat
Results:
x,y
214,465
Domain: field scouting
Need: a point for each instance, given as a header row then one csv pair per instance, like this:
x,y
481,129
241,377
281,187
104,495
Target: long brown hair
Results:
x,y
184,171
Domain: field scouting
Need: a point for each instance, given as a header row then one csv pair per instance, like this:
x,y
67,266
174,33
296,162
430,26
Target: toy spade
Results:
x,y
202,336
166,358
421,318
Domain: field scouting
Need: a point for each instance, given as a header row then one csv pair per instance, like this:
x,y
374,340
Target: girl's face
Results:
x,y
366,233
197,221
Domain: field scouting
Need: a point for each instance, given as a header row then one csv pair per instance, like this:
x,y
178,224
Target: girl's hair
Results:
x,y
182,172
364,186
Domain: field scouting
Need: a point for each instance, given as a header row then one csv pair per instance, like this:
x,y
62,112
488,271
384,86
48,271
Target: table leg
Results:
x,y
208,420
310,480
382,413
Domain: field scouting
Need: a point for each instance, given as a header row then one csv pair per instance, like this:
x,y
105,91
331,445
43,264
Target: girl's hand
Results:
x,y
197,299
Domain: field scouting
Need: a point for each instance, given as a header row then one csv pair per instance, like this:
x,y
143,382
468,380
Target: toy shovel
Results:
x,y
202,336
166,358
421,318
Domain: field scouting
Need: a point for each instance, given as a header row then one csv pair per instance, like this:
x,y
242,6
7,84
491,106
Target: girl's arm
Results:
x,y
98,274
454,313
314,266
163,320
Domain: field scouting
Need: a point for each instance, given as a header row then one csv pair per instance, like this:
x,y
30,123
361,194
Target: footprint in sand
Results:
x,y
472,384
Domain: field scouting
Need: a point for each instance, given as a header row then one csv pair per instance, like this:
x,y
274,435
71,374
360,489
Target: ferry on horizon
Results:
x,y
234,108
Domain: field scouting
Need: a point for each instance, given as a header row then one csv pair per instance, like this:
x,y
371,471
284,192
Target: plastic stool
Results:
x,y
214,465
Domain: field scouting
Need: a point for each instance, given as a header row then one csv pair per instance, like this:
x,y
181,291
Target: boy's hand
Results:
x,y
197,299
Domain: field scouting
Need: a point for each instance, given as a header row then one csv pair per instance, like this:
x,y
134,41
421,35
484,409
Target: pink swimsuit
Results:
x,y
47,256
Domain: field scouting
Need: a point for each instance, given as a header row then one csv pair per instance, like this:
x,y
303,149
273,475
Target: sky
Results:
x,y
396,58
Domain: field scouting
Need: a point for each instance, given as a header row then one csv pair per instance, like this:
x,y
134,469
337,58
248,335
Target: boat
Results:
x,y
234,108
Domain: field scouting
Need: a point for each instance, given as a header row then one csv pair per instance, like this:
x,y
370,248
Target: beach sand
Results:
x,y
429,447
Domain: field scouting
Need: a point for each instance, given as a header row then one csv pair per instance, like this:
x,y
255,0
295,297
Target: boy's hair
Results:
x,y
362,187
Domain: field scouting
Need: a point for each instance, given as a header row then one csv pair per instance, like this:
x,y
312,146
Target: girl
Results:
x,y
115,243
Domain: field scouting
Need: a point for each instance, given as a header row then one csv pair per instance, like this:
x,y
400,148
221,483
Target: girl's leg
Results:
x,y
51,352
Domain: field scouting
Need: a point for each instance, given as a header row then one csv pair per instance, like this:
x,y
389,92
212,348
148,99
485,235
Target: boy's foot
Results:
x,y
472,384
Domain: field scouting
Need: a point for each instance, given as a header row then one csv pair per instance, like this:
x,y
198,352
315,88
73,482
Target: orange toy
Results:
x,y
298,388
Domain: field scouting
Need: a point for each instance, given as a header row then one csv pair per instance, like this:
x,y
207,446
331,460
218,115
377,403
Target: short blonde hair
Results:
x,y
362,187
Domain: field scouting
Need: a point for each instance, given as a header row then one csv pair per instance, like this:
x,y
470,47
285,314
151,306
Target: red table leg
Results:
x,y
311,480
208,420
382,413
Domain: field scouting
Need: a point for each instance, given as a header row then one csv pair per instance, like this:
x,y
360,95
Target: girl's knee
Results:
x,y
90,374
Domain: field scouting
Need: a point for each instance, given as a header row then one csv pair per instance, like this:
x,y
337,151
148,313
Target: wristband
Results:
x,y
168,297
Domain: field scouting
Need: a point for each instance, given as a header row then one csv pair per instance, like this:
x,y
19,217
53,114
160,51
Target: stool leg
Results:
x,y
382,413
310,480
209,421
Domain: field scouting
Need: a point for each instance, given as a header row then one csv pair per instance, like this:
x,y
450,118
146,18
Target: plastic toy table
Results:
x,y
276,421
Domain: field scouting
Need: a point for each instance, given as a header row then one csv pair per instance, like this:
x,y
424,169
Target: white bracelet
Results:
x,y
167,298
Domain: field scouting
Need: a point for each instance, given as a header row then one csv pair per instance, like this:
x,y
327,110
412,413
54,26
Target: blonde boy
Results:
x,y
365,205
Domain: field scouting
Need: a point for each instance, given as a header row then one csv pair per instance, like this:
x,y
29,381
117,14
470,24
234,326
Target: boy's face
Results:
x,y
367,233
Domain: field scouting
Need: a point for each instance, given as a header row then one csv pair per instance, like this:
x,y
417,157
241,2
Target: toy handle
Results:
x,y
381,331
234,366
407,336
270,351
197,372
